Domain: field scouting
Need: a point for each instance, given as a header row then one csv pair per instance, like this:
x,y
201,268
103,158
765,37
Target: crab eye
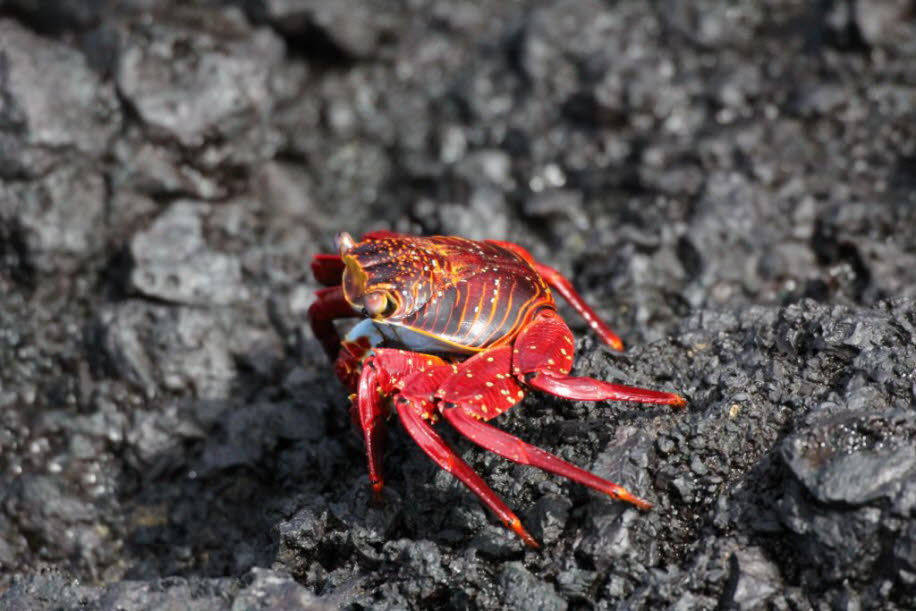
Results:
x,y
379,305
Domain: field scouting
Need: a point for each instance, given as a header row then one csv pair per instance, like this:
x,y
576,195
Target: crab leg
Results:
x,y
383,372
572,296
588,389
563,286
327,269
516,450
328,306
372,423
542,357
425,437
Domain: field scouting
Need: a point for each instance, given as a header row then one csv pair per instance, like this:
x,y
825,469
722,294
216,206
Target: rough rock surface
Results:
x,y
731,184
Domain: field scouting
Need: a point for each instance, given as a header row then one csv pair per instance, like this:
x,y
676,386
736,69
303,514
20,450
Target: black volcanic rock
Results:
x,y
730,185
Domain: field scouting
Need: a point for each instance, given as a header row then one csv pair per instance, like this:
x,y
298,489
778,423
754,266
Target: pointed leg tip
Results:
x,y
642,504
624,495
679,402
516,526
377,497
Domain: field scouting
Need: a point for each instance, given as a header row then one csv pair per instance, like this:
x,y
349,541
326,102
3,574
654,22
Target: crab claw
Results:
x,y
344,242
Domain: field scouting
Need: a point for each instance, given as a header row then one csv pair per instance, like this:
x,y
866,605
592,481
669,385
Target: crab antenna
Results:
x,y
344,242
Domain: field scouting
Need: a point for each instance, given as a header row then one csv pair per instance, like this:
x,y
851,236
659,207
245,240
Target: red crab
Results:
x,y
456,329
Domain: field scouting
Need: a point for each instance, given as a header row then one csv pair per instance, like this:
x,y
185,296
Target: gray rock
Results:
x,y
270,589
754,581
208,90
167,350
172,261
59,219
45,509
854,458
738,212
355,29
52,103
521,590
857,473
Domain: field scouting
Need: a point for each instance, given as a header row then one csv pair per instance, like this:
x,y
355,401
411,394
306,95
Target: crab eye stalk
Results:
x,y
344,242
379,305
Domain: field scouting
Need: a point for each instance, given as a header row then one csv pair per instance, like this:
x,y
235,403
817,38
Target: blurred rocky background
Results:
x,y
731,184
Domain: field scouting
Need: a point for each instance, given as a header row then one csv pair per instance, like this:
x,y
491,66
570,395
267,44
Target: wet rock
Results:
x,y
245,435
172,261
302,533
155,170
856,472
886,22
208,89
52,590
52,103
59,220
557,203
166,350
767,276
855,458
754,580
557,35
267,589
417,557
548,518
521,590
350,29
260,589
51,516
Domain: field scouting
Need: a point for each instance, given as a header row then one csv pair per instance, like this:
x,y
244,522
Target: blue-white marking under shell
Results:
x,y
396,336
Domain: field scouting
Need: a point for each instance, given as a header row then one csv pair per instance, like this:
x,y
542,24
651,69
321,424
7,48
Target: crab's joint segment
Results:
x,y
511,447
434,447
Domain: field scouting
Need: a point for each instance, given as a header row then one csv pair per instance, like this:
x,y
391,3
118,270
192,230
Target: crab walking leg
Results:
x,y
372,423
327,307
327,269
572,296
563,286
516,450
588,389
430,442
383,372
542,357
